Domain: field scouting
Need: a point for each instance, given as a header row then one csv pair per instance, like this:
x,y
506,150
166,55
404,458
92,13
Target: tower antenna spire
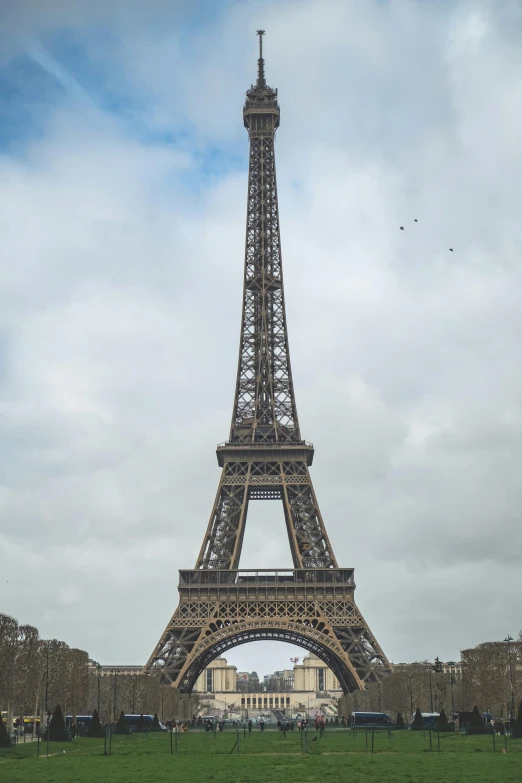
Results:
x,y
261,82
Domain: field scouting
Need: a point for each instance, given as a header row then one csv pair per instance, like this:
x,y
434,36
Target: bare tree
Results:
x,y
18,645
26,671
407,688
490,672
76,684
37,674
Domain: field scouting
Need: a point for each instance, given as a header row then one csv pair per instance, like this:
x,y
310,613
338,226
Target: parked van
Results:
x,y
371,720
133,722
429,719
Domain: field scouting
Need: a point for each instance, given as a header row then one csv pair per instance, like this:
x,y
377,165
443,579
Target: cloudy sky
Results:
x,y
123,165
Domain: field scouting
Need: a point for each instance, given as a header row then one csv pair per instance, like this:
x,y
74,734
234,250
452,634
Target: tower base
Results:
x,y
311,608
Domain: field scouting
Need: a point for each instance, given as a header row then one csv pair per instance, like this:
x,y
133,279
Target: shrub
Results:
x,y
95,728
399,723
476,724
417,723
443,721
122,725
57,729
5,739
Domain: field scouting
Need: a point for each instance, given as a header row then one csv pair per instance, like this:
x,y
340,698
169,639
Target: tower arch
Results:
x,y
235,635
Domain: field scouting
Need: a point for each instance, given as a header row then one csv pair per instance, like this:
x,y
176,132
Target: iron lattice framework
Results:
x,y
265,458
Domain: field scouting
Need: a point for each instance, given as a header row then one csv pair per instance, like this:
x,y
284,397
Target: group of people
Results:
x,y
79,729
498,726
209,724
178,726
286,725
319,723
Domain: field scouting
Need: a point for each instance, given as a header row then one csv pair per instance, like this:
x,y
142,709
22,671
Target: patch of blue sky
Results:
x,y
48,75
4,342
134,111
69,65
214,162
88,66
204,170
27,95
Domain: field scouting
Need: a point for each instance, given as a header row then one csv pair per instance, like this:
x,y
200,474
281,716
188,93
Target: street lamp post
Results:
x,y
115,672
438,668
509,639
410,679
47,680
98,669
452,683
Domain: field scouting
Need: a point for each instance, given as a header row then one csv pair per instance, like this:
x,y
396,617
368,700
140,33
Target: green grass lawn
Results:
x,y
403,757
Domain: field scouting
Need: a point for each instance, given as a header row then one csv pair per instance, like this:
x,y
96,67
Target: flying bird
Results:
x,y
402,228
415,220
451,249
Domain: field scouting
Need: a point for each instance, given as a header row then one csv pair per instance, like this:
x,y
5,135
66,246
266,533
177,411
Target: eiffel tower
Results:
x,y
265,457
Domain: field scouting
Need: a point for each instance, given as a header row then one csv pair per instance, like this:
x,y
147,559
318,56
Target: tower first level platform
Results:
x,y
312,608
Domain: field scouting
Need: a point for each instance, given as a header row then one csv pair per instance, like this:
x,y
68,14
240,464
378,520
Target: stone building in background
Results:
x,y
307,688
313,675
218,677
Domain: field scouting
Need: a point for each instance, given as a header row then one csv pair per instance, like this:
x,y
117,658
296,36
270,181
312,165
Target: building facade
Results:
x,y
106,671
313,675
218,677
279,681
308,688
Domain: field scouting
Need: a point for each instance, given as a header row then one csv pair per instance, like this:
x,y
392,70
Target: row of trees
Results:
x,y
408,687
491,676
38,674
135,695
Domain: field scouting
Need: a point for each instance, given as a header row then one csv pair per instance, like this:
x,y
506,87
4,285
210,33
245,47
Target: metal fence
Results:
x,y
241,740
